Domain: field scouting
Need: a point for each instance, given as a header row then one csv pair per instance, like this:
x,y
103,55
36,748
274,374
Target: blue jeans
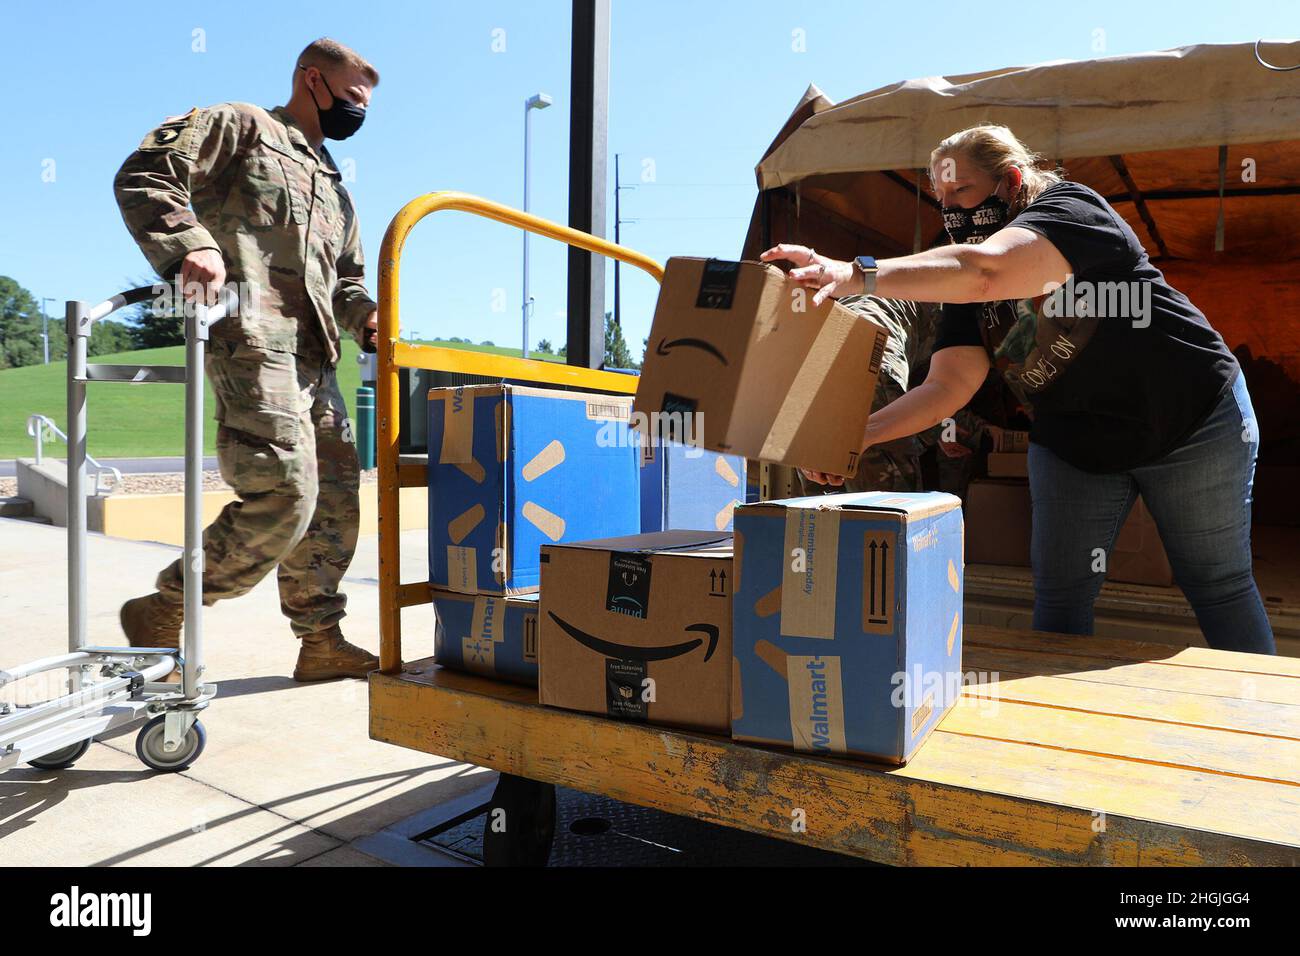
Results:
x,y
1199,495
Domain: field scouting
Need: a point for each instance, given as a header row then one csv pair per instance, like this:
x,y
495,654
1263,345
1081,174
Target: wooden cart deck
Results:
x,y
1072,750
1080,751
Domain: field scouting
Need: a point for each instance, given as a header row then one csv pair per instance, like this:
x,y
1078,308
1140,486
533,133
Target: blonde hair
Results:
x,y
326,53
994,150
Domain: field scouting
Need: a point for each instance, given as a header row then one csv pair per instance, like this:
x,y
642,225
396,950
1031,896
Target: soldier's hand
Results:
x,y
203,273
823,477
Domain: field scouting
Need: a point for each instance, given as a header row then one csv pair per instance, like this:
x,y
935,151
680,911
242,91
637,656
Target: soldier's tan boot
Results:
x,y
153,621
326,656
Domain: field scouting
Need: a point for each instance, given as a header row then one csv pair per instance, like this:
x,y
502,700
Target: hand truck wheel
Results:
x,y
520,824
61,759
149,746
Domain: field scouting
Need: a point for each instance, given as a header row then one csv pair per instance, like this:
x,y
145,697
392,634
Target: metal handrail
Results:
x,y
36,425
394,354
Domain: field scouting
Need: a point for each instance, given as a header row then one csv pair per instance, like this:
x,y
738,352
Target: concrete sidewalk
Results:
x,y
289,777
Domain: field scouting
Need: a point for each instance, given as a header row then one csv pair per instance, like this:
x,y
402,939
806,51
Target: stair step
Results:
x,y
15,507
34,519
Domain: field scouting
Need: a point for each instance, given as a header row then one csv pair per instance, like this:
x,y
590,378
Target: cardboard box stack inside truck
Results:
x,y
654,561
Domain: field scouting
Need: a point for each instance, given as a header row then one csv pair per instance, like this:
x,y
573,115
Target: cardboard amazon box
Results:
x,y
685,486
639,628
491,635
1008,464
999,522
847,622
1138,556
1012,441
741,362
512,468
779,481
999,529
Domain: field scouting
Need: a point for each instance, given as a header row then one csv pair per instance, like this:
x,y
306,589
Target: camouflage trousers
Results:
x,y
285,445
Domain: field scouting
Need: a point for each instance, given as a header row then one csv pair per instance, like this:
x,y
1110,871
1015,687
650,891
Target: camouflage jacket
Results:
x,y
244,180
912,327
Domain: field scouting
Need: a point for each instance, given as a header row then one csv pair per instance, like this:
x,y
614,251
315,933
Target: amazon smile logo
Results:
x,y
626,652
664,347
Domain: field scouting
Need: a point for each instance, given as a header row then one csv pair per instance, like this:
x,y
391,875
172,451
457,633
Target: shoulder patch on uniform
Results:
x,y
177,133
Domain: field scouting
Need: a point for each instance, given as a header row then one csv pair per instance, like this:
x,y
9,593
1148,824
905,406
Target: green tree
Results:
x,y
109,337
545,348
616,353
154,322
21,325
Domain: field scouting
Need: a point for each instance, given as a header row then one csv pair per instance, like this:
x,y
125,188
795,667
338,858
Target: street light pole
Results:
x,y
45,335
538,102
618,239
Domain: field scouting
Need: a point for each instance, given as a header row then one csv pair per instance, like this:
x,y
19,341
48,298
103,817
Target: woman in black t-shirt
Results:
x,y
1131,390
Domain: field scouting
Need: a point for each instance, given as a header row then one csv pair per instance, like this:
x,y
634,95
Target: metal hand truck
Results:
x,y
108,687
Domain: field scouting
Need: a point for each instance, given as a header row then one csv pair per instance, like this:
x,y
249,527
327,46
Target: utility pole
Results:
x,y
538,102
618,240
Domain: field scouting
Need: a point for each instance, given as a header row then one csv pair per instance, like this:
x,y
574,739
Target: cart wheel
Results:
x,y
520,824
149,746
61,759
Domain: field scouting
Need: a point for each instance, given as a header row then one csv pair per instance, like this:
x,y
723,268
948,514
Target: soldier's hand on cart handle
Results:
x,y
830,277
371,335
203,269
823,477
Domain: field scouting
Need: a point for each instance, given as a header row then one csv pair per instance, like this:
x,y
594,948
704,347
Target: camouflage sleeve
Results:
x,y
352,303
899,317
154,185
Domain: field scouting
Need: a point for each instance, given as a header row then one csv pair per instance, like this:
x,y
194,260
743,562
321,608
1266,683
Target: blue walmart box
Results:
x,y
686,487
512,468
487,634
847,622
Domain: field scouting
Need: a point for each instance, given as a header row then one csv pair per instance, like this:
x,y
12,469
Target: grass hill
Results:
x,y
127,421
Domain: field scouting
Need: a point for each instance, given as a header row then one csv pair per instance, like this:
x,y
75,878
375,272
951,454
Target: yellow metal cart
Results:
x,y
1063,750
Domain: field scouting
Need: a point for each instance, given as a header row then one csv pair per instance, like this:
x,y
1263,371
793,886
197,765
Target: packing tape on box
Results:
x,y
457,428
816,703
462,569
811,561
488,620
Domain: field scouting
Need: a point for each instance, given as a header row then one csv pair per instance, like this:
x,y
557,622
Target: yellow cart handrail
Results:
x,y
394,354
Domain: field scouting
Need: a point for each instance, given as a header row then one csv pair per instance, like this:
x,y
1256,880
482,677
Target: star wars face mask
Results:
x,y
977,223
342,119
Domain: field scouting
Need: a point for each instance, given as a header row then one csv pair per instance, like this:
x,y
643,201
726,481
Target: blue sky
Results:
x,y
697,91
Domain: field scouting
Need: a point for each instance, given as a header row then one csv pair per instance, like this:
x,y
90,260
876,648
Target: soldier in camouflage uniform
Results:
x,y
896,465
235,192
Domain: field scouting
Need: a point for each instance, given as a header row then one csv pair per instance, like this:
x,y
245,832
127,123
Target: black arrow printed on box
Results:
x,y
884,571
717,583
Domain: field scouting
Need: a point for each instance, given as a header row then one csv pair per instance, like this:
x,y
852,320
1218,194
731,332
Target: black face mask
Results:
x,y
978,223
342,119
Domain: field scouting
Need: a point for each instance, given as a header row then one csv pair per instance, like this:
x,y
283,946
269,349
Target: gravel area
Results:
x,y
163,484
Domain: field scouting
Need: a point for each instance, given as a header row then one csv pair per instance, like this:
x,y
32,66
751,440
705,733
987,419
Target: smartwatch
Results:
x,y
867,266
